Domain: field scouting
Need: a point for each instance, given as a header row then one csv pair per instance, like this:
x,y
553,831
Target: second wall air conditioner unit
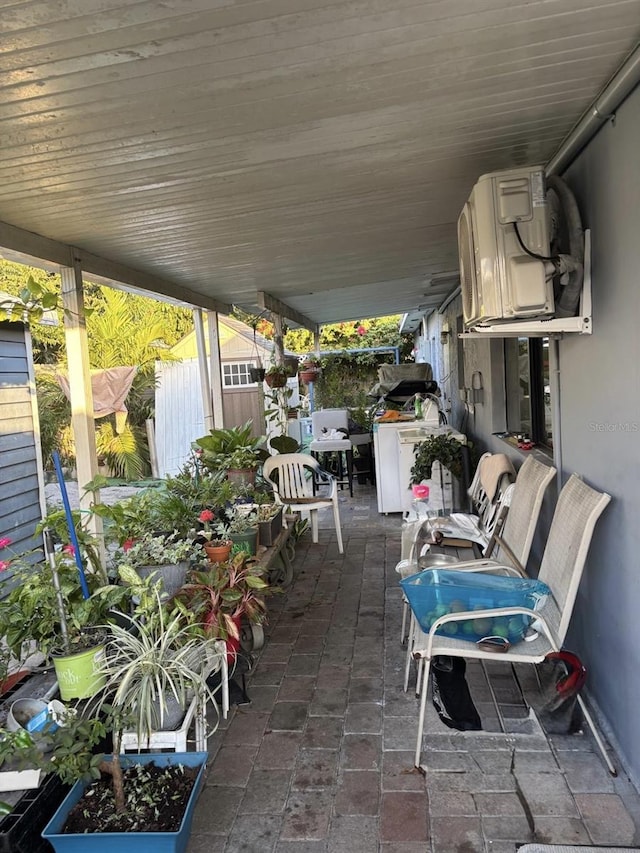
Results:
x,y
503,241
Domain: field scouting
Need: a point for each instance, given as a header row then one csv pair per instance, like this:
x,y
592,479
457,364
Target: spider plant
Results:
x,y
148,662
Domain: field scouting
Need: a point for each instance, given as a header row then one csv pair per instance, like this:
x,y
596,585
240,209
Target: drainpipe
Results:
x,y
554,389
602,109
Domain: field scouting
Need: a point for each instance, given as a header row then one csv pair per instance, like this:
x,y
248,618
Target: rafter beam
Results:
x,y
28,247
270,303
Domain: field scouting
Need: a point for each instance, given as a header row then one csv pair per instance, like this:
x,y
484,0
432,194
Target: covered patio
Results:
x,y
310,160
321,759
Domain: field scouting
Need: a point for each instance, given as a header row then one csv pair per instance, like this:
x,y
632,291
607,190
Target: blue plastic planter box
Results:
x,y
435,593
128,842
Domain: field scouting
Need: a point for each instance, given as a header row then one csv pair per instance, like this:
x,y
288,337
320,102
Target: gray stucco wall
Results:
x,y
600,414
600,420
600,425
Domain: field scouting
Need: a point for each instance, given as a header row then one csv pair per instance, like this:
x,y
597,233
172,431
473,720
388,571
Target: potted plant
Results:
x,y
257,372
242,529
20,761
276,376
361,437
157,657
153,667
166,510
216,545
70,628
194,484
310,369
217,598
269,516
284,444
436,448
167,558
56,524
126,520
234,450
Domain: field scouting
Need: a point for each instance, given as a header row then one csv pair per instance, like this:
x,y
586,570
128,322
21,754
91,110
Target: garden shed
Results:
x,y
178,390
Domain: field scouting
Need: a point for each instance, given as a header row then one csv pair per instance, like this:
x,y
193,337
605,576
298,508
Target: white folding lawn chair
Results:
x,y
489,496
578,508
521,503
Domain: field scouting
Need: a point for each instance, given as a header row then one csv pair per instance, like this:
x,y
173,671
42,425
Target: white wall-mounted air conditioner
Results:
x,y
503,241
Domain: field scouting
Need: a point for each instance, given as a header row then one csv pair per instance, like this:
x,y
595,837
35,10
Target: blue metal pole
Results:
x,y
70,524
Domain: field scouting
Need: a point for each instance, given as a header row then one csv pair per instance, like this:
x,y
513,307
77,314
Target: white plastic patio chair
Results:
x,y
523,500
578,508
295,477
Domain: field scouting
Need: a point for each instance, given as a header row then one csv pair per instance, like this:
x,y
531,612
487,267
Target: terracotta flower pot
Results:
x,y
217,553
309,374
241,476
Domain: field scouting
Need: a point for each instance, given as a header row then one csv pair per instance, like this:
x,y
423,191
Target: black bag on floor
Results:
x,y
451,697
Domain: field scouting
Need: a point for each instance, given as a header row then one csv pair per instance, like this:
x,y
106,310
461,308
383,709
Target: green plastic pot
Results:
x,y
77,674
249,538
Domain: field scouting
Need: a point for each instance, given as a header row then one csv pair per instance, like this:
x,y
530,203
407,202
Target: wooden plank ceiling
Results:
x,y
318,151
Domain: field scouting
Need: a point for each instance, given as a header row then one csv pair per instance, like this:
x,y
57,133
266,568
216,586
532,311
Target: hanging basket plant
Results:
x,y
276,377
257,374
257,371
309,371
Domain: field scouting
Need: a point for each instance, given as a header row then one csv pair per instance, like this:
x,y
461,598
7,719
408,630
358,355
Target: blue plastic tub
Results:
x,y
128,842
435,593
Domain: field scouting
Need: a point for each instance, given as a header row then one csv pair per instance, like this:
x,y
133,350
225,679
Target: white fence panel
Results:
x,y
179,414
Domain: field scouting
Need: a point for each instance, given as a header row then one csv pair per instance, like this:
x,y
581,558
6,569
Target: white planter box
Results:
x,y
19,780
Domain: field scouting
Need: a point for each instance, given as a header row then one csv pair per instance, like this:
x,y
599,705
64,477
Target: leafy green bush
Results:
x,y
437,448
345,380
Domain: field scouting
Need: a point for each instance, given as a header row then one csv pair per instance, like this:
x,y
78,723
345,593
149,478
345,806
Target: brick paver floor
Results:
x,y
321,760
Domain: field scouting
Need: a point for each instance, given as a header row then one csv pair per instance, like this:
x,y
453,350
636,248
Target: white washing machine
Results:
x,y
394,452
441,485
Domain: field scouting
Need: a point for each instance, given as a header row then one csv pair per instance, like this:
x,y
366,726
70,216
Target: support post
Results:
x,y
203,369
280,396
153,451
215,369
278,338
80,393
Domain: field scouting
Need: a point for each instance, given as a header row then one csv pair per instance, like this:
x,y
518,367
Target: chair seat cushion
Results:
x,y
326,445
